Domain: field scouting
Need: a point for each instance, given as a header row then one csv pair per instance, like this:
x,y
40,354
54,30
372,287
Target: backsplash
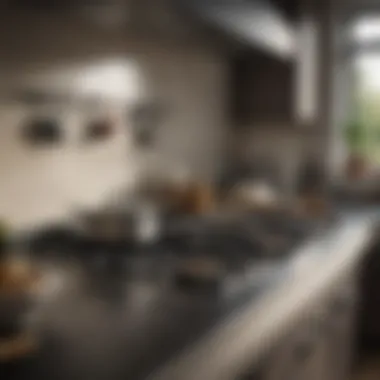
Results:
x,y
48,183
40,186
282,148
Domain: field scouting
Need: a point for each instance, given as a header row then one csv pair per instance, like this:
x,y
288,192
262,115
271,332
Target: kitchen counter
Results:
x,y
298,284
97,319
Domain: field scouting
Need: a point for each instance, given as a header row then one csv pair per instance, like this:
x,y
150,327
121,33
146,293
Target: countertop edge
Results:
x,y
242,338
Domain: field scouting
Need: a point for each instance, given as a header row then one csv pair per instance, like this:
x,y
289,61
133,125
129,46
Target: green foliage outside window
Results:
x,y
363,132
355,135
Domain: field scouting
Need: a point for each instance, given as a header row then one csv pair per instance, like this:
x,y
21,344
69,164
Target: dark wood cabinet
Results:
x,y
369,326
263,90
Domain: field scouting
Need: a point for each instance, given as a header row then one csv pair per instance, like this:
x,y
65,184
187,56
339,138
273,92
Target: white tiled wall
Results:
x,y
191,85
38,186
179,65
278,145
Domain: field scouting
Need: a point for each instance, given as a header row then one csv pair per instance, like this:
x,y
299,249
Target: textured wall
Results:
x,y
41,185
192,86
38,186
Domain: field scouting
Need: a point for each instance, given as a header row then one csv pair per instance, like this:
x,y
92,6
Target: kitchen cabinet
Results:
x,y
296,357
301,356
369,326
320,344
262,90
341,330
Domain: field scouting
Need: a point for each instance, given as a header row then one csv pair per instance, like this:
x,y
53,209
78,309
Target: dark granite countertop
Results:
x,y
98,320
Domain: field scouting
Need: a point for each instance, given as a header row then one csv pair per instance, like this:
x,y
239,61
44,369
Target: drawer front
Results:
x,y
299,356
319,345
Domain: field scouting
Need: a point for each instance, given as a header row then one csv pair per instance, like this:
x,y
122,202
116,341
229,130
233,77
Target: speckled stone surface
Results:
x,y
98,320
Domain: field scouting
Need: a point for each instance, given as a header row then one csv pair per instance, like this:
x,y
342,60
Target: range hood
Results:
x,y
257,23
103,12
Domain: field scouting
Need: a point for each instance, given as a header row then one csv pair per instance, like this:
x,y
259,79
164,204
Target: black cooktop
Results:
x,y
116,310
105,316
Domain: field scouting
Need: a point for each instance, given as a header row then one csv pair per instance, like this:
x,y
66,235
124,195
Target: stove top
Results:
x,y
195,254
251,237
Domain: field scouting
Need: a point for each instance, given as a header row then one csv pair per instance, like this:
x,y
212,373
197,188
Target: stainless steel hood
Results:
x,y
103,12
258,23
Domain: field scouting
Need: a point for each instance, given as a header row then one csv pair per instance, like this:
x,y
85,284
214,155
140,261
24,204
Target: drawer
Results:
x,y
319,344
295,358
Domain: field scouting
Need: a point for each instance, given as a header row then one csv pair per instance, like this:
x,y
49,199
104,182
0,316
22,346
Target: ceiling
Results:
x,y
289,7
112,12
59,4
